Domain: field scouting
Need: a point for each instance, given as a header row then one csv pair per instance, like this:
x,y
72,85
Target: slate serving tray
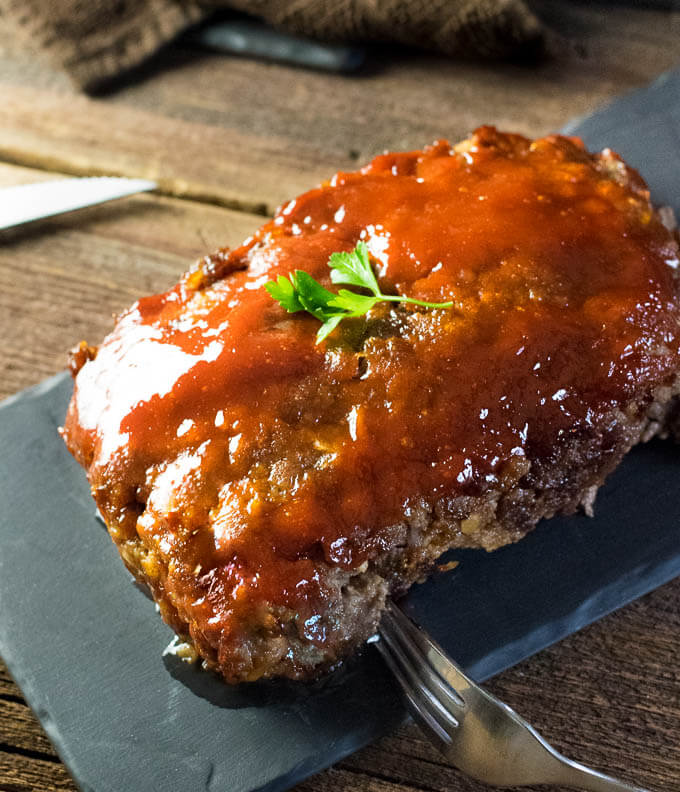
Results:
x,y
85,645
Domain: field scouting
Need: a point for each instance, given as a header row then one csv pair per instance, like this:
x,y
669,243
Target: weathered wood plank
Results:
x,y
19,731
11,175
344,779
62,280
251,134
8,687
27,774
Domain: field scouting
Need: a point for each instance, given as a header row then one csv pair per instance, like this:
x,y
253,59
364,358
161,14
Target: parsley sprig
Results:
x,y
301,292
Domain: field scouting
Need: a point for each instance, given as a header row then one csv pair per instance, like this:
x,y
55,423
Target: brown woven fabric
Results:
x,y
95,40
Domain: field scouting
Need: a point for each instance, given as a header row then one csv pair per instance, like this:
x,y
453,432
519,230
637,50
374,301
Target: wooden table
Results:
x,y
228,139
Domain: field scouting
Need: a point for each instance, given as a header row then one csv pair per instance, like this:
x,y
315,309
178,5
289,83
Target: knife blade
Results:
x,y
27,202
258,40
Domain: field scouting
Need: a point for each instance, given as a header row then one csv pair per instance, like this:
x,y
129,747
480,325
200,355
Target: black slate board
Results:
x,y
85,645
644,128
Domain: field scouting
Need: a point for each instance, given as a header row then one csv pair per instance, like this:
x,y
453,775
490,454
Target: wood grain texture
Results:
x,y
17,729
74,272
20,773
8,689
238,133
251,135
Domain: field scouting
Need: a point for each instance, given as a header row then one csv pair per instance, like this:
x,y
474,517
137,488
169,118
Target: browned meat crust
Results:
x,y
272,493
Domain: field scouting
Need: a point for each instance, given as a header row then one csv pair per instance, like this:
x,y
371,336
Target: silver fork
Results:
x,y
478,733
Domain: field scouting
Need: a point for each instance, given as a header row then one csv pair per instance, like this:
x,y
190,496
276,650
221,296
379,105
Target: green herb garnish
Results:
x,y
300,292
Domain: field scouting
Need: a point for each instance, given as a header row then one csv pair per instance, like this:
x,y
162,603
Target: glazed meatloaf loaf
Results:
x,y
272,491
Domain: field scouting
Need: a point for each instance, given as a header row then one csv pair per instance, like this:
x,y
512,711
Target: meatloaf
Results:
x,y
272,491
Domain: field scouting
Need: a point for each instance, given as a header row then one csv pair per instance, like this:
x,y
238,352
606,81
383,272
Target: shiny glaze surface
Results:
x,y
246,456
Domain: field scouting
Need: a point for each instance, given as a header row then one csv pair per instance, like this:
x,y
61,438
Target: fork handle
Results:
x,y
577,776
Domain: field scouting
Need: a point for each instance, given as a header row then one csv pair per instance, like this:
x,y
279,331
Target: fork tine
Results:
x,y
428,698
412,697
454,680
425,654
494,744
416,670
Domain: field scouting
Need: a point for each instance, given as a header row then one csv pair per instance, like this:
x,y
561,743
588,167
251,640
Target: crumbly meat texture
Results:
x,y
272,492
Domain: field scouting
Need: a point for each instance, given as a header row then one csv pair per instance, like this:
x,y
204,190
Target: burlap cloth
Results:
x,y
95,40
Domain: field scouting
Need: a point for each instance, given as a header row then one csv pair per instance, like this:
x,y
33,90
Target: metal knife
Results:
x,y
258,40
27,202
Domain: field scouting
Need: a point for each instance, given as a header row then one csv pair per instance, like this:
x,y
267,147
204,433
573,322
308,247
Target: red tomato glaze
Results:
x,y
244,454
